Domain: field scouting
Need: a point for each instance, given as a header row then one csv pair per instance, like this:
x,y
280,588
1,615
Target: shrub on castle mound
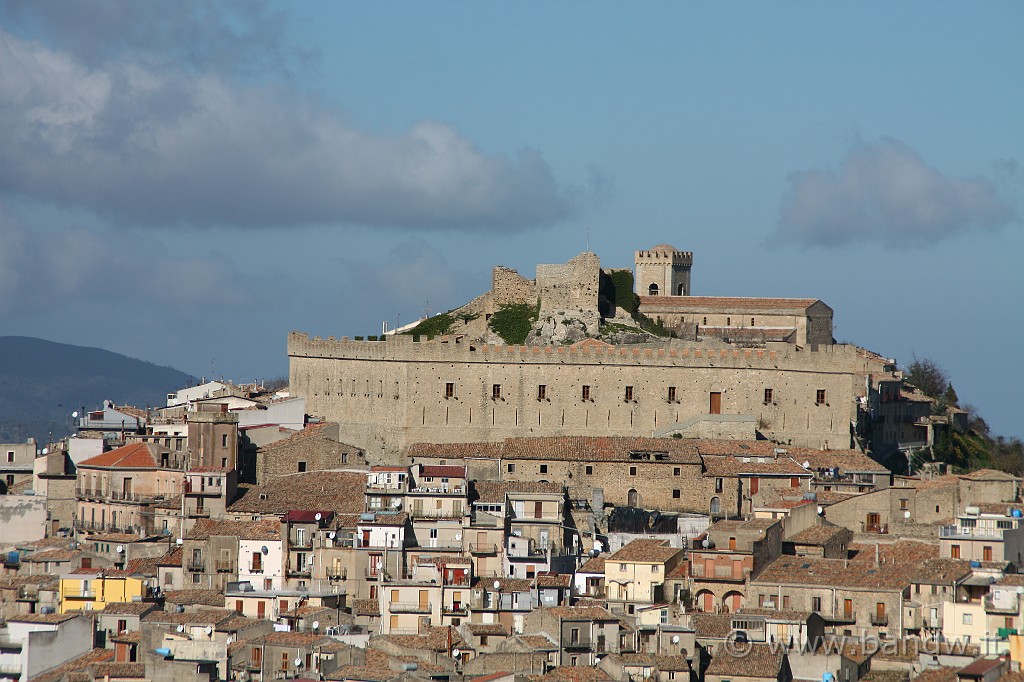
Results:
x,y
438,325
513,322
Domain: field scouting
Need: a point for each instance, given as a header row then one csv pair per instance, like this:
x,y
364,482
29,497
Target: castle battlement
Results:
x,y
674,257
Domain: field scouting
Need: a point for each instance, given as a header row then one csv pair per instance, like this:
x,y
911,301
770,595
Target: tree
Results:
x,y
929,377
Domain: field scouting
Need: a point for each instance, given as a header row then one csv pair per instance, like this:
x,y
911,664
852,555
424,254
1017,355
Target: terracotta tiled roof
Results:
x,y
897,564
453,450
941,571
487,629
147,566
44,618
195,597
593,565
941,674
443,471
818,535
172,558
554,580
844,460
75,664
726,303
540,642
118,670
494,492
339,491
735,466
135,456
754,660
711,625
201,616
989,475
121,538
507,584
607,448
645,550
365,607
662,663
296,639
243,530
582,613
573,674
127,608
432,639
53,555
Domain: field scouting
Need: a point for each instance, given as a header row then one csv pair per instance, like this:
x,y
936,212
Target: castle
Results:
x,y
730,368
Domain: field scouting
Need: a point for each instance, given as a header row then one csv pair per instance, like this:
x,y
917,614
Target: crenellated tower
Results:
x,y
662,271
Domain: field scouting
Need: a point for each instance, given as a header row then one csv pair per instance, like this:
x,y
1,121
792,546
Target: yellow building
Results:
x,y
637,572
91,589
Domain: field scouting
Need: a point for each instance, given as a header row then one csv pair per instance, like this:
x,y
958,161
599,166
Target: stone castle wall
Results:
x,y
388,394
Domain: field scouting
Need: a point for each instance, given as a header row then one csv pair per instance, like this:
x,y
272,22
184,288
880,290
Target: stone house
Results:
x,y
791,629
752,663
211,553
934,583
503,600
317,447
526,654
584,632
116,490
635,575
27,594
843,471
16,463
643,666
825,540
121,617
727,557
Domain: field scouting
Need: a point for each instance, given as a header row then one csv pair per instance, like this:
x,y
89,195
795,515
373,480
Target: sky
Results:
x,y
187,182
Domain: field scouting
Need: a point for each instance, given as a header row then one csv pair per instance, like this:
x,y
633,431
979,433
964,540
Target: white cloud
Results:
x,y
885,192
146,145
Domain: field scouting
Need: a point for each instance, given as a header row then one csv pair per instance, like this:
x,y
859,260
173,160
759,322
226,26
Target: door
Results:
x,y
261,609
873,523
986,554
848,608
716,403
424,599
709,602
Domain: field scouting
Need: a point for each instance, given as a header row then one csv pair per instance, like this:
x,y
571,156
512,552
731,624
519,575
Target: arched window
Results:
x,y
680,291
633,498
716,505
652,290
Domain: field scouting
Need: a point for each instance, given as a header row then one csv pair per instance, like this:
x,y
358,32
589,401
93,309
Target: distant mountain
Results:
x,y
42,383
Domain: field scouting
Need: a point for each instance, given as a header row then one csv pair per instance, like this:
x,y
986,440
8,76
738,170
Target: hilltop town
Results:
x,y
587,475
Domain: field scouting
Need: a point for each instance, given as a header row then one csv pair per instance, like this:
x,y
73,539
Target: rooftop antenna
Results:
x,y
588,238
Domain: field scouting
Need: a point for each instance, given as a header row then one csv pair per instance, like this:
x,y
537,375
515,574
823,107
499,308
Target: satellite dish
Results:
x,y
46,451
379,565
396,503
209,629
675,639
820,509
74,415
456,653
316,625
706,543
1020,590
181,628
458,536
906,514
264,550
497,585
298,662
120,549
807,465
332,535
179,541
318,516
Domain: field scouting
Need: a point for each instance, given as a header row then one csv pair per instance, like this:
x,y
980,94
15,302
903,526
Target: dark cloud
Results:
x,y
143,145
885,192
123,271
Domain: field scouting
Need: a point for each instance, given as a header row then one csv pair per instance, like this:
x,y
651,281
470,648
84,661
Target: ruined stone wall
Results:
x,y
508,286
387,394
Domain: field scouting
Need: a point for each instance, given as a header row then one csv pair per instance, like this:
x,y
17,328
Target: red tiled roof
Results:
x,y
138,455
443,471
726,303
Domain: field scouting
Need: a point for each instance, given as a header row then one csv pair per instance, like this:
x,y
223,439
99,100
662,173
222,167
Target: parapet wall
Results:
x,y
508,286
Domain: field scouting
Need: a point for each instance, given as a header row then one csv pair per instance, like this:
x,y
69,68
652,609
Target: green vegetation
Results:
x,y
468,317
438,325
514,321
652,326
623,296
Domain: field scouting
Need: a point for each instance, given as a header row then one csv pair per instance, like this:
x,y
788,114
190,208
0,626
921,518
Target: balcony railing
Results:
x,y
196,565
80,594
255,568
526,550
225,566
26,594
455,609
304,542
436,513
484,548
298,569
198,491
198,512
409,607
879,619
980,532
337,572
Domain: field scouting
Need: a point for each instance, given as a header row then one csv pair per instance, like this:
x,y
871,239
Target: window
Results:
x,y
719,485
543,468
495,391
510,468
449,390
655,568
676,494
815,603
716,505
622,567
820,396
10,455
968,619
433,533
671,394
629,393
586,393
224,440
904,503
677,471
590,470
769,396
954,551
302,467
632,471
986,553
542,392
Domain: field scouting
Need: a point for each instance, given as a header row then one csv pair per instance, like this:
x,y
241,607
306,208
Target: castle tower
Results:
x,y
662,271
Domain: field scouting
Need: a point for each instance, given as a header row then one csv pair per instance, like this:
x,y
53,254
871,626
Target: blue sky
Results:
x,y
187,182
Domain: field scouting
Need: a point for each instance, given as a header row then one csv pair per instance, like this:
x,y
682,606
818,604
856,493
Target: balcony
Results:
x,y
1009,606
198,565
417,513
198,513
337,573
485,548
80,594
298,569
130,496
26,594
225,566
455,609
578,644
879,619
300,542
976,533
255,568
409,607
204,491
526,550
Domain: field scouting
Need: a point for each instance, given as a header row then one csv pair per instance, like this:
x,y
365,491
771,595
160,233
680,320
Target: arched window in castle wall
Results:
x,y
633,498
653,290
716,506
681,291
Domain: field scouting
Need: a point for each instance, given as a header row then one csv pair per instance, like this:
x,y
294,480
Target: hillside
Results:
x,y
43,382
